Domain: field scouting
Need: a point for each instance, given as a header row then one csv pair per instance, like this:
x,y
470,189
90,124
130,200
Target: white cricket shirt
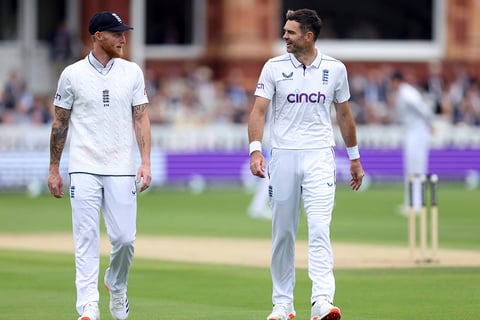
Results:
x,y
414,113
301,99
101,134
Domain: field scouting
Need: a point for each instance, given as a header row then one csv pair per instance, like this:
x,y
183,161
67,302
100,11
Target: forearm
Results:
x,y
255,128
143,133
256,121
348,134
256,124
346,123
58,137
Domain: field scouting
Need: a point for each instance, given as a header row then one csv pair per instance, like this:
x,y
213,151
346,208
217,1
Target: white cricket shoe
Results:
x,y
90,312
324,310
282,311
119,306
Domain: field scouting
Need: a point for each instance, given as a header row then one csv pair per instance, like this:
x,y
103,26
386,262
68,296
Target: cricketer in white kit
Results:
x,y
417,117
102,165
302,166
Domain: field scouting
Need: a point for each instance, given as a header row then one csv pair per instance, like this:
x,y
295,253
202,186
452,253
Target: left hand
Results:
x,y
145,176
356,170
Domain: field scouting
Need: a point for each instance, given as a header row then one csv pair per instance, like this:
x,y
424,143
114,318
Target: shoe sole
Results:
x,y
290,316
333,314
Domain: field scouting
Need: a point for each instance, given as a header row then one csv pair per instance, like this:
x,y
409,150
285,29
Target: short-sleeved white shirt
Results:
x,y
414,113
101,134
301,99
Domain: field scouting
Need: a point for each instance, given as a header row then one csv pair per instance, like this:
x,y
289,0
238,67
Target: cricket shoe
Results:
x,y
324,310
282,311
90,312
118,305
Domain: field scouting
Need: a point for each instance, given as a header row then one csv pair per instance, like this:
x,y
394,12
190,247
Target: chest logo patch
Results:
x,y
106,98
325,76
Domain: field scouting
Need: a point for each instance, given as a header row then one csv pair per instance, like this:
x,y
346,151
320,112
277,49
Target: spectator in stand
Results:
x,y
12,90
375,94
357,101
40,113
469,109
174,86
446,102
204,91
435,85
2,106
237,95
151,82
23,100
61,47
188,112
457,91
222,109
158,107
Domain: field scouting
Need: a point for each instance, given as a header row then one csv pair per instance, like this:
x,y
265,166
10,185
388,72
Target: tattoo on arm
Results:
x,y
59,133
139,109
142,129
140,138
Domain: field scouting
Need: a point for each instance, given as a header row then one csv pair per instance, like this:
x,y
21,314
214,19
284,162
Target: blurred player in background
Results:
x,y
260,207
416,117
101,102
301,86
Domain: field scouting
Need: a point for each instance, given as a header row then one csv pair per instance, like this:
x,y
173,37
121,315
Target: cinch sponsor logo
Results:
x,y
300,97
260,85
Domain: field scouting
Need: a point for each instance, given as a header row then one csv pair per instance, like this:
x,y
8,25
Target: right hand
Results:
x,y
55,185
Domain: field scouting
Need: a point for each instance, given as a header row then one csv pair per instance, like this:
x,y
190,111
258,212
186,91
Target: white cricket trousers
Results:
x,y
115,197
297,175
415,161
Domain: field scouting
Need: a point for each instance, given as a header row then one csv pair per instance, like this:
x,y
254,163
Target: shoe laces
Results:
x,y
119,301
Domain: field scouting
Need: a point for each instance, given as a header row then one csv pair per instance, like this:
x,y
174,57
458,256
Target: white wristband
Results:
x,y
353,153
255,146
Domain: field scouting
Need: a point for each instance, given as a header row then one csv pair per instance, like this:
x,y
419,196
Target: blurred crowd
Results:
x,y
454,96
18,105
197,97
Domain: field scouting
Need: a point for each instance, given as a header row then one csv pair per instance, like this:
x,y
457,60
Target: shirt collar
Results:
x,y
315,63
98,66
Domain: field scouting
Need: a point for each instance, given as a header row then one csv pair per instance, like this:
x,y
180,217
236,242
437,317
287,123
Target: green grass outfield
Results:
x,y
37,285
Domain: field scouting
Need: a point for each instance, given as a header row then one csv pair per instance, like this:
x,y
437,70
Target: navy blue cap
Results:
x,y
106,21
